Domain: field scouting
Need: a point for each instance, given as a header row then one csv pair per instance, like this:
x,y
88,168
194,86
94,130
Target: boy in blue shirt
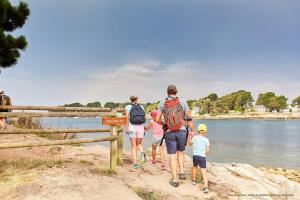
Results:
x,y
200,145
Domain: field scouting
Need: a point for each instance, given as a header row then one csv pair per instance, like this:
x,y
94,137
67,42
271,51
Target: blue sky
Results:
x,y
82,51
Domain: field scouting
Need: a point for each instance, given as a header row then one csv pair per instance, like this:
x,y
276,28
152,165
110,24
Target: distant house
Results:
x,y
295,108
260,108
195,111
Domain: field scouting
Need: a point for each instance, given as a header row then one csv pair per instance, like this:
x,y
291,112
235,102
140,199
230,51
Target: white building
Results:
x,y
195,111
260,108
295,109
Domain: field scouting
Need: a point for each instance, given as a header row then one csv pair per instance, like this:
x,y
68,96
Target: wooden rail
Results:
x,y
58,108
115,138
56,142
54,131
57,114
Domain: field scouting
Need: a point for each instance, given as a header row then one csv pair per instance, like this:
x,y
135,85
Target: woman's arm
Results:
x,y
148,126
127,114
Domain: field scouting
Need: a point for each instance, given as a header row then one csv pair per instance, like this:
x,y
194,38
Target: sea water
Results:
x,y
257,142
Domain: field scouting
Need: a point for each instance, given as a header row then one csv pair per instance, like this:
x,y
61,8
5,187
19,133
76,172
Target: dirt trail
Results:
x,y
84,175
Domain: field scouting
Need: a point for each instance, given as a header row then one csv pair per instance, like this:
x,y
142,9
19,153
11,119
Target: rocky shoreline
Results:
x,y
292,174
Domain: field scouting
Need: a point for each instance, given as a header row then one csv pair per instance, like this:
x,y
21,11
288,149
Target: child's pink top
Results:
x,y
156,128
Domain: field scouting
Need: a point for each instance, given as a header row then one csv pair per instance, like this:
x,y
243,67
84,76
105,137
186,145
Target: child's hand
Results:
x,y
127,129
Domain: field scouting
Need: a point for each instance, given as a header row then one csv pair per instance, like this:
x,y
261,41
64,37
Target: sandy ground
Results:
x,y
83,176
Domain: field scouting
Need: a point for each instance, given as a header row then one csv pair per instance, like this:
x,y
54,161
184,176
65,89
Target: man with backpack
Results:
x,y
177,119
135,114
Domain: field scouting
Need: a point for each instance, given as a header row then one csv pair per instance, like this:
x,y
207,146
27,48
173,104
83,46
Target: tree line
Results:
x,y
239,101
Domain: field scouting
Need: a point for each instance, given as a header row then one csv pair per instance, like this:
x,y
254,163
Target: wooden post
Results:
x,y
120,146
113,148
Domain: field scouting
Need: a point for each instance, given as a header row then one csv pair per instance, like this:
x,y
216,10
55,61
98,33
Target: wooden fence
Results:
x,y
115,138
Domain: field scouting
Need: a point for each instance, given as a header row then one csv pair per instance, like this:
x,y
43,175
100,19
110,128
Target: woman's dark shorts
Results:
x,y
175,141
199,161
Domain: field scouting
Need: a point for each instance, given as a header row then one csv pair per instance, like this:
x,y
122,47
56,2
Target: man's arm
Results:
x,y
159,113
190,142
190,123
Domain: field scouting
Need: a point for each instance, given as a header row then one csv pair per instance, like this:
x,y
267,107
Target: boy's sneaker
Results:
x,y
143,157
153,162
205,190
194,182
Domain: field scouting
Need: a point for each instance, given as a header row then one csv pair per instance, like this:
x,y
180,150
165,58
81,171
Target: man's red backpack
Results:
x,y
173,113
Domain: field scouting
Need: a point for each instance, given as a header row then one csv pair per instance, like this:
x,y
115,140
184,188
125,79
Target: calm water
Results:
x,y
258,142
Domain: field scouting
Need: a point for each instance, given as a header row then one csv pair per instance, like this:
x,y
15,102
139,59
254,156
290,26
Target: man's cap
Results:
x,y
1,92
172,89
202,128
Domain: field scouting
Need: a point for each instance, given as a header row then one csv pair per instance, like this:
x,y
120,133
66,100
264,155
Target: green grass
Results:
x,y
199,177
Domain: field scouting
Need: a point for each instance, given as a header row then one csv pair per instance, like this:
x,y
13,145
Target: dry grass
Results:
x,y
86,162
27,164
103,172
146,194
9,168
36,123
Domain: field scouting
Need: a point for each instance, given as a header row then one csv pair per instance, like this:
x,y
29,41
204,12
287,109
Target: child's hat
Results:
x,y
202,128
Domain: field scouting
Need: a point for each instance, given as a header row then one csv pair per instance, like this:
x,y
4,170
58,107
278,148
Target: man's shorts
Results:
x,y
199,161
136,131
175,141
156,139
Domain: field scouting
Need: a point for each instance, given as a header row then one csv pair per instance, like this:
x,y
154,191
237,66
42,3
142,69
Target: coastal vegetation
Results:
x,y
11,18
239,102
271,101
296,101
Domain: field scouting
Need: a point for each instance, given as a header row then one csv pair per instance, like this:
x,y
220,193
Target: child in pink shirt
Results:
x,y
157,134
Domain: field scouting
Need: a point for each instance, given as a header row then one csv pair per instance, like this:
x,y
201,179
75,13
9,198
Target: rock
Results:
x,y
246,180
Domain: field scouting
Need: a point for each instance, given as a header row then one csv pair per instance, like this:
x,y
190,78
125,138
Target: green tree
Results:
x,y
271,101
190,103
212,97
111,105
296,101
11,18
96,104
152,106
74,105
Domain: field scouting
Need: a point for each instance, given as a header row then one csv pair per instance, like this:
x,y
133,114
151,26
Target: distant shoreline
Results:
x,y
253,116
250,116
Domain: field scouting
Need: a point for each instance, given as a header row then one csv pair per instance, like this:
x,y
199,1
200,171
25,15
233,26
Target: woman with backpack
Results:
x,y
135,114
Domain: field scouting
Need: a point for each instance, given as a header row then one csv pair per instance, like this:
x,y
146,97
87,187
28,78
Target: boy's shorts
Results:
x,y
175,141
199,161
156,139
136,131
